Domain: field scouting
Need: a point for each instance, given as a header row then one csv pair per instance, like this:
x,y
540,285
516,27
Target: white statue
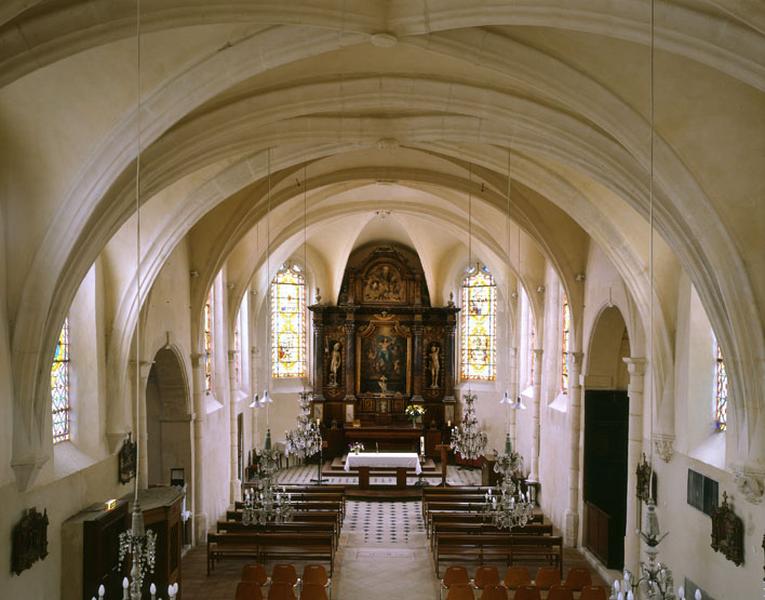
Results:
x,y
334,364
435,366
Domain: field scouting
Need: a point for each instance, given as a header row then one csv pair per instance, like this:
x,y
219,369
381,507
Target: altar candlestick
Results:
x,y
422,445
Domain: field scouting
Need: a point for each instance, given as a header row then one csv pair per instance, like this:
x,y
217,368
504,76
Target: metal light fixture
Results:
x,y
264,501
467,440
137,545
305,440
656,581
506,506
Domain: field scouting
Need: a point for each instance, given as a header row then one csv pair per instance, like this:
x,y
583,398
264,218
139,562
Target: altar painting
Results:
x,y
383,361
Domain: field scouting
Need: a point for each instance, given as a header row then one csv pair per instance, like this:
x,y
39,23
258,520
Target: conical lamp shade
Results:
x,y
506,398
518,404
255,402
266,397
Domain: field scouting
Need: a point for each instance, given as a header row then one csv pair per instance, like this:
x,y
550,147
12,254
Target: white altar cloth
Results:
x,y
389,460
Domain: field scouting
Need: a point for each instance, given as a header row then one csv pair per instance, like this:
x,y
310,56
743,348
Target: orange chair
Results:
x,y
494,592
560,592
517,577
313,591
455,575
248,590
577,578
284,573
281,590
547,577
460,591
593,592
256,573
317,574
486,576
527,592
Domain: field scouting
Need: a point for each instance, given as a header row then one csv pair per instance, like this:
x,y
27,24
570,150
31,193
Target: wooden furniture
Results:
x,y
90,551
391,347
162,514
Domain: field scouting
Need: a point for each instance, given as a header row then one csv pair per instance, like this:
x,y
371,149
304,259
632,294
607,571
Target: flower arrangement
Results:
x,y
356,447
415,410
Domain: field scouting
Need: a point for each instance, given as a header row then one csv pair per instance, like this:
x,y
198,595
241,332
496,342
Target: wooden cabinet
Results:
x,y
90,551
162,514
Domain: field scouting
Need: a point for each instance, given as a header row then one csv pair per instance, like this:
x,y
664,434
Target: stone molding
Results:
x,y
664,444
749,483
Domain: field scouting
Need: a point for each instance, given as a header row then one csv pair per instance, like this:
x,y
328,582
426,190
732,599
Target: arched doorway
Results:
x,y
168,419
606,428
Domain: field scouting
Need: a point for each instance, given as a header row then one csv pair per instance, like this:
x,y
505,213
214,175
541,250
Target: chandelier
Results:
x,y
467,440
506,506
264,501
305,440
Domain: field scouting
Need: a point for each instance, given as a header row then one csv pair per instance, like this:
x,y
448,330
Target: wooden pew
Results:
x,y
311,498
291,526
512,548
311,516
489,528
263,546
447,516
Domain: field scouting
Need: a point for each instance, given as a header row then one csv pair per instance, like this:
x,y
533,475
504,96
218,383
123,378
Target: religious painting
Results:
x,y
383,359
383,284
127,460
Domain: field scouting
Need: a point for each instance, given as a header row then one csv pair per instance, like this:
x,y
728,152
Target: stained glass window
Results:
x,y
721,391
288,323
59,386
208,342
565,319
479,308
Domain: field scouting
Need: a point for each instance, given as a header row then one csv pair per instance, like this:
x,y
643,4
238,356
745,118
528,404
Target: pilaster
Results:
x,y
574,362
635,392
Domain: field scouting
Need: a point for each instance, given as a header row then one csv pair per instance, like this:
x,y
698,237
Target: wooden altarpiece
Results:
x,y
383,346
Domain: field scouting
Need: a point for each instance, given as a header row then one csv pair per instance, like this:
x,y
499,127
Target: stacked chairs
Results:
x,y
284,583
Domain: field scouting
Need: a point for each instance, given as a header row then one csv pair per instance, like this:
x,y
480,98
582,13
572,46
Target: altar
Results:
x,y
402,462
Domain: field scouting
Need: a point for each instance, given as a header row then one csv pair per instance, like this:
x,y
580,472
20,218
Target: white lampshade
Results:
x,y
506,399
266,397
518,404
255,402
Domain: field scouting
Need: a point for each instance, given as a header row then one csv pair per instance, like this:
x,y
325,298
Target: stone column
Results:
x,y
318,357
200,416
143,380
235,484
417,362
350,357
535,401
636,369
574,360
513,390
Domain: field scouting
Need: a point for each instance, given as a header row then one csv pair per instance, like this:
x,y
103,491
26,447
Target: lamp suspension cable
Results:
x,y
305,273
269,290
470,257
651,360
139,104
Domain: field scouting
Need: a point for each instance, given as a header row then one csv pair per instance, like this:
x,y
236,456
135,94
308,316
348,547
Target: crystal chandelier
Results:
x,y
305,440
467,440
506,506
264,502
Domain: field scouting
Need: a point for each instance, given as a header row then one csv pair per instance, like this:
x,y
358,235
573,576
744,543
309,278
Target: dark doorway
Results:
x,y
606,414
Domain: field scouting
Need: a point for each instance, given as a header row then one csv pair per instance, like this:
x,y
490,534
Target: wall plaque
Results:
x,y
728,532
30,540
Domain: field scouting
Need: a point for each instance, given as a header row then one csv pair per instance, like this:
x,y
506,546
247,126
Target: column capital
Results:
x,y
574,360
196,359
232,355
144,367
538,352
635,366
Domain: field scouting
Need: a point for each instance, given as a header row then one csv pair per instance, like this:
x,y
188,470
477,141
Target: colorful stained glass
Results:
x,y
59,387
288,323
565,319
479,307
721,391
208,342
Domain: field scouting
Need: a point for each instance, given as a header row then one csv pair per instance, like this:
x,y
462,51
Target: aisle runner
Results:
x,y
383,553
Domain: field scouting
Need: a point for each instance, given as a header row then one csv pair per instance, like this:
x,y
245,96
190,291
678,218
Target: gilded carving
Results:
x,y
384,285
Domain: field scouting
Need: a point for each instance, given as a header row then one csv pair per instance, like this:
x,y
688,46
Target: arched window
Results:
x,y
565,320
59,387
721,391
288,323
208,342
479,315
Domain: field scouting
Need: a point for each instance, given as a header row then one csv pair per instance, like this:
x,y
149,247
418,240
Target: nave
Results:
x,y
386,550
